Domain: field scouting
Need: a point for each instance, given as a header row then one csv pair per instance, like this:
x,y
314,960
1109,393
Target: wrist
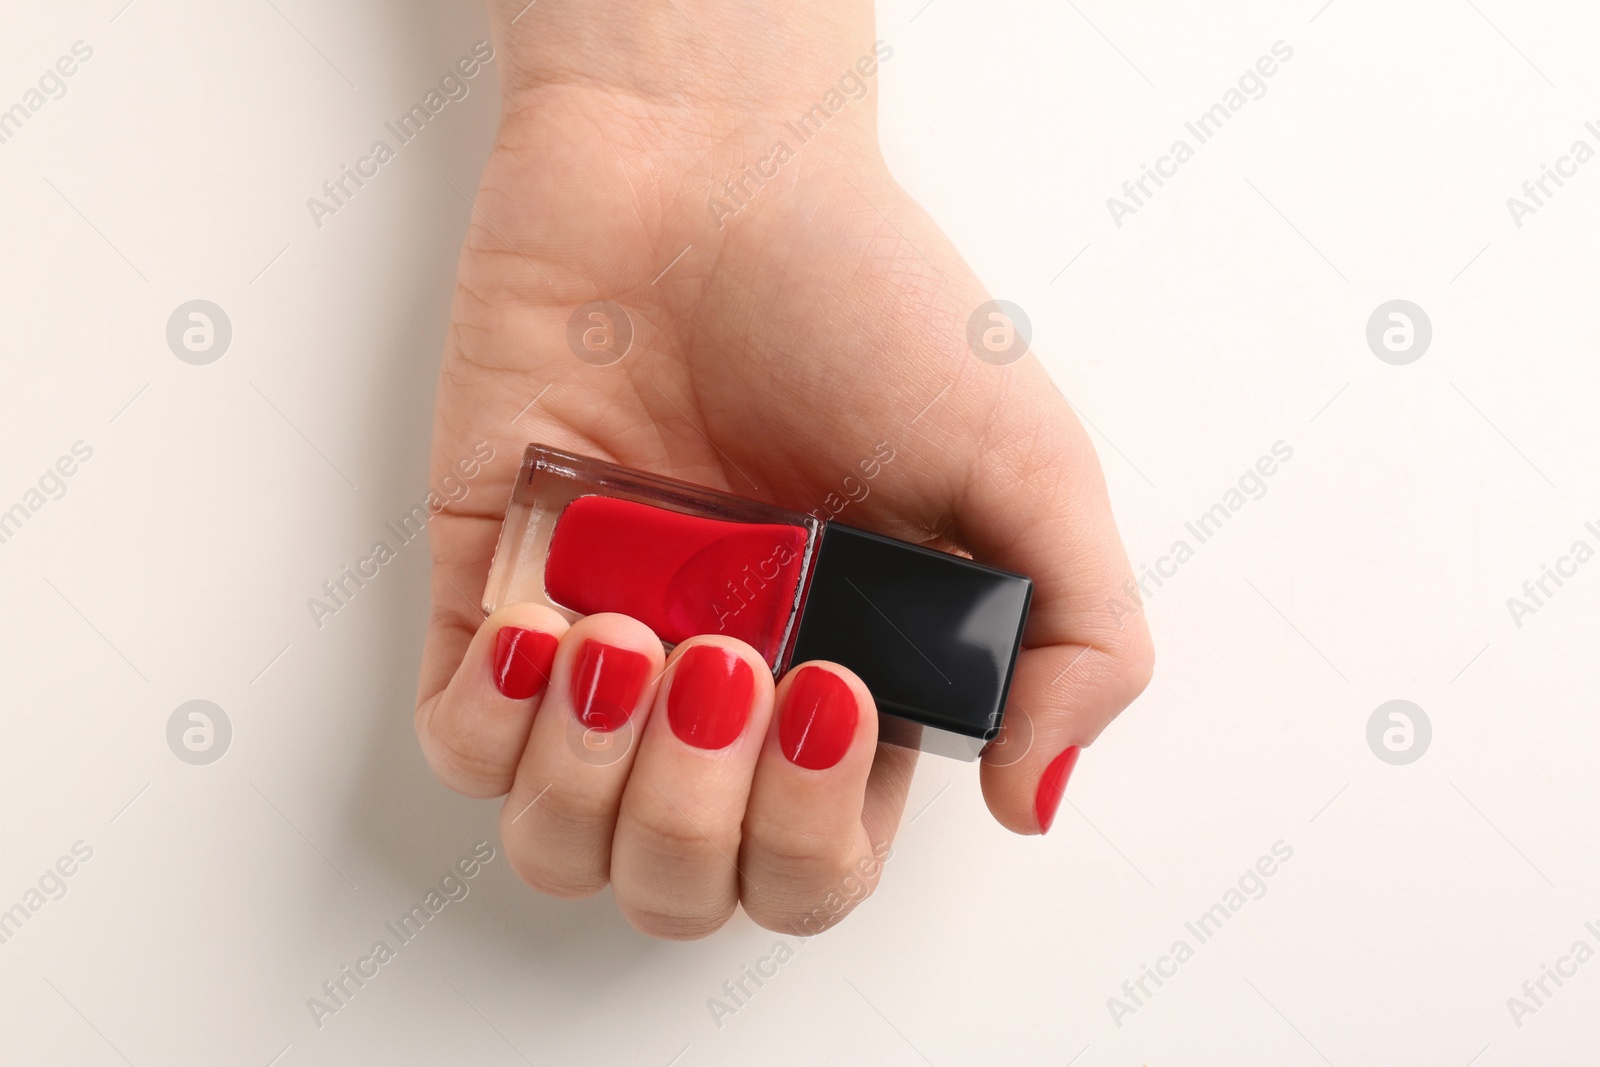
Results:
x,y
709,68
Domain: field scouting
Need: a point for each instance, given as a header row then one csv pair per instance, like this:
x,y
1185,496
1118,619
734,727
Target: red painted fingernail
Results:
x,y
1051,786
710,696
522,661
606,684
818,720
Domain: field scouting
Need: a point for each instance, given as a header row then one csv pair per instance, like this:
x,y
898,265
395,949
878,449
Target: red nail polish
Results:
x,y
933,635
1051,785
818,720
606,684
710,696
522,661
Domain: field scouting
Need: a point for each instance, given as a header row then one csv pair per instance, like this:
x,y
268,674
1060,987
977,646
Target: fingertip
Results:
x,y
715,687
824,711
1062,697
613,664
526,637
1052,784
472,731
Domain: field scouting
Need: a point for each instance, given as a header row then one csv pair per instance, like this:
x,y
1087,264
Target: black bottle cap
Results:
x,y
934,636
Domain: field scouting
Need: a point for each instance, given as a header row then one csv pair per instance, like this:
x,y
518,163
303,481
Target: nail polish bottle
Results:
x,y
934,636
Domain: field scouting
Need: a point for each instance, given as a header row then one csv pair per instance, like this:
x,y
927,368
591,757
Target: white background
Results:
x,y
1226,315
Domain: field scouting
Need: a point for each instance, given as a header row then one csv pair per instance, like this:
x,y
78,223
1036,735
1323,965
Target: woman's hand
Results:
x,y
710,169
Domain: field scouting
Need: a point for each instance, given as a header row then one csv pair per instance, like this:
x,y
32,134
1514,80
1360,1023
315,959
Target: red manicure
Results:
x,y
1051,786
606,684
818,720
710,696
522,661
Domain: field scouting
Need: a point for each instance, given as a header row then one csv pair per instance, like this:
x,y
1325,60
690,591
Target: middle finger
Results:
x,y
678,833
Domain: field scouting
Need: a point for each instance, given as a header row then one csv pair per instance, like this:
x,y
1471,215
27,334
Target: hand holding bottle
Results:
x,y
813,322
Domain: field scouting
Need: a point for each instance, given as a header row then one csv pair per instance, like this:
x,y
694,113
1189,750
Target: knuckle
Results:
x,y
461,767
571,882
678,925
804,914
572,811
789,849
667,834
674,879
558,842
805,883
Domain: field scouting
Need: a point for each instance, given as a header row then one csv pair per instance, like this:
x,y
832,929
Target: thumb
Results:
x,y
1040,508
1017,483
